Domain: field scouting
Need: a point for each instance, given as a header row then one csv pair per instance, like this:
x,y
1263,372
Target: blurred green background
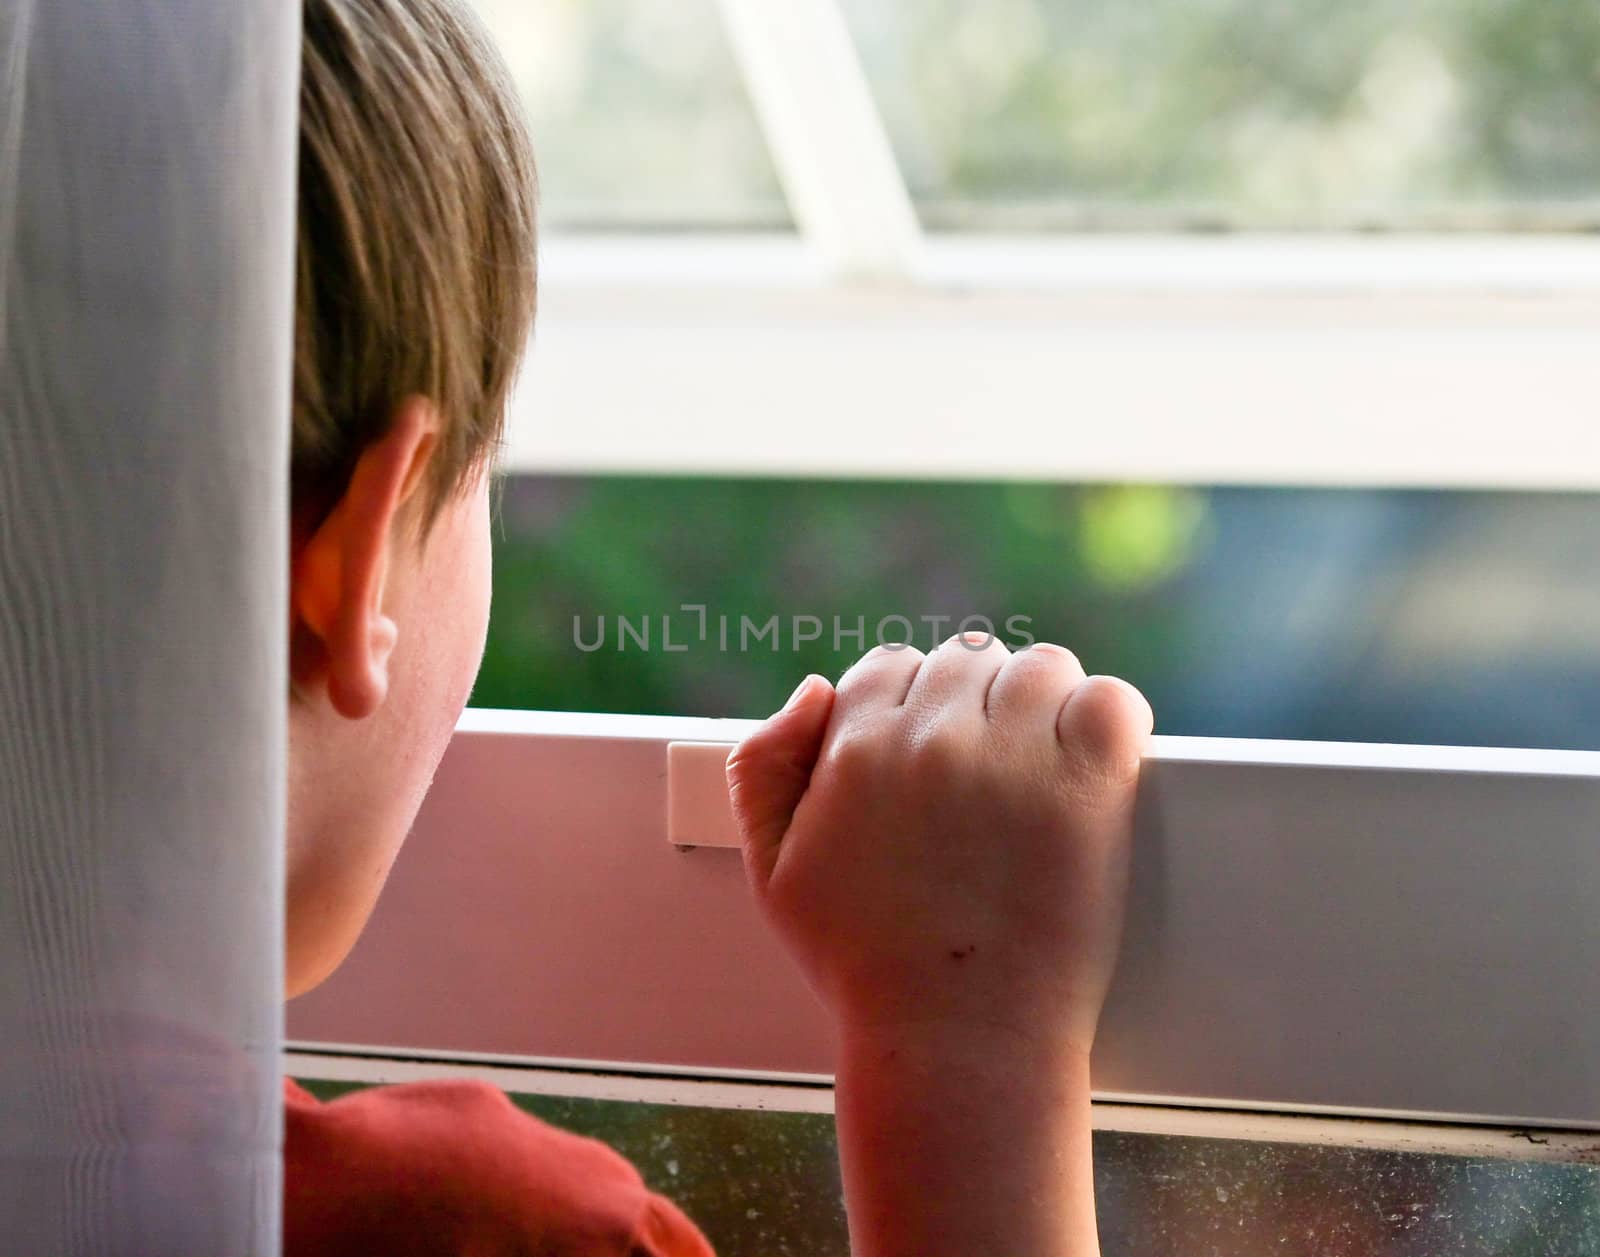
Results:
x,y
1434,617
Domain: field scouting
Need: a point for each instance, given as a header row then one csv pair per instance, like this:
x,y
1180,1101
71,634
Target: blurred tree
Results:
x,y
1079,564
1064,113
1379,616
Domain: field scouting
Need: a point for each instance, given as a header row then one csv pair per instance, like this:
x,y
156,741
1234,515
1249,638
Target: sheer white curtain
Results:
x,y
146,241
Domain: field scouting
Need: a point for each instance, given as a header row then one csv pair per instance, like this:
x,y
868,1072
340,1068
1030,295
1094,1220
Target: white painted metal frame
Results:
x,y
1315,928
725,376
826,136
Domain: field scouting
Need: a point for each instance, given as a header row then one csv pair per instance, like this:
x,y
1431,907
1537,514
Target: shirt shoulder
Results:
x,y
453,1167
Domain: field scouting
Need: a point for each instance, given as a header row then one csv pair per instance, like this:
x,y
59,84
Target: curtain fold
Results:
x,y
146,247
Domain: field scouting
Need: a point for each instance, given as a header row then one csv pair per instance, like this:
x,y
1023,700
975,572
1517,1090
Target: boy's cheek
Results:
x,y
455,592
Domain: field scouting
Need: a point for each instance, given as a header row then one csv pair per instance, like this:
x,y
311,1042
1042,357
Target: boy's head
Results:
x,y
414,300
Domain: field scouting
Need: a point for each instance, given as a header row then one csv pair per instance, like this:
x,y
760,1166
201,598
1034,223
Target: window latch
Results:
x,y
698,811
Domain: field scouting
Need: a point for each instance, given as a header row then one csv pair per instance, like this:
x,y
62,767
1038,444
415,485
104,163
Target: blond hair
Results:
x,y
415,268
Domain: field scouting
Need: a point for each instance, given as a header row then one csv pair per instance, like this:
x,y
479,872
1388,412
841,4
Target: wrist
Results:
x,y
963,1045
965,1138
997,1069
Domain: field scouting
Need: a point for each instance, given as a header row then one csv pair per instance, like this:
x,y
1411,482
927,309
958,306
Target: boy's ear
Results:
x,y
339,635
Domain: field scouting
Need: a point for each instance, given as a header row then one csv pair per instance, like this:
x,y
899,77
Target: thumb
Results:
x,y
769,771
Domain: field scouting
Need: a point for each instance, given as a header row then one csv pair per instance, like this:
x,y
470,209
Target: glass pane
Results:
x,y
1405,113
1463,618
638,114
765,1184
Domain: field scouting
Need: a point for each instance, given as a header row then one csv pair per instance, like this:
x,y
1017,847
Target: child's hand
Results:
x,y
944,843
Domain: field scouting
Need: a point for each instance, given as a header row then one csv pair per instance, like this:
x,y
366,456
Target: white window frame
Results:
x,y
1314,928
733,357
861,346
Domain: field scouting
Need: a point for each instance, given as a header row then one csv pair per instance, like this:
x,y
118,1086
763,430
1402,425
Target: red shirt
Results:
x,y
454,1169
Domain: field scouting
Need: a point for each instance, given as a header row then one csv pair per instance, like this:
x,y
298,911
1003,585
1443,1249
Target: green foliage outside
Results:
x,y
1087,565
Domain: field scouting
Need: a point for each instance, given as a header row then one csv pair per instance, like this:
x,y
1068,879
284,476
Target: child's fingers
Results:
x,y
956,677
878,680
769,771
1032,688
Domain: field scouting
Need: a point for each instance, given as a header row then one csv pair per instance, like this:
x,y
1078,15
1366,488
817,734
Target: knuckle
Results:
x,y
958,664
940,748
1035,676
971,643
1046,651
1046,659
854,755
879,661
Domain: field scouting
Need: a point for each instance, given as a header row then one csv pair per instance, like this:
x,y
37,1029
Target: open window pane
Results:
x,y
1317,927
1370,113
1454,618
638,115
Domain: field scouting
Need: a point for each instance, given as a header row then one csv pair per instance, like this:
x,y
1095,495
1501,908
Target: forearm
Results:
x,y
974,1146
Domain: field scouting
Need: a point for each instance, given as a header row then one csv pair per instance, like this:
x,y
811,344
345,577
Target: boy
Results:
x,y
941,841
414,297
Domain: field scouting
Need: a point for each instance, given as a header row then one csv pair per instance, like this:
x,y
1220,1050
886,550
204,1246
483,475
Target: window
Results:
x,y
1067,114
874,309
640,114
